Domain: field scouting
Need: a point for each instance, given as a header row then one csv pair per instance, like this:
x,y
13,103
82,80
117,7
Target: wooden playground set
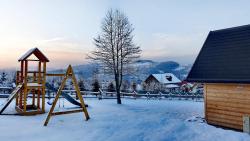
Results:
x,y
33,84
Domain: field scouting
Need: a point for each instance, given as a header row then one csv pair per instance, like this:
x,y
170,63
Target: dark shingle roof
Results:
x,y
37,53
224,57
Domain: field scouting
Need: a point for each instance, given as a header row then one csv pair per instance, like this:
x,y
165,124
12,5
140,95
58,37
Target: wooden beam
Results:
x,y
21,71
32,60
66,112
38,98
58,74
43,87
33,97
78,93
34,72
55,101
205,100
25,92
39,72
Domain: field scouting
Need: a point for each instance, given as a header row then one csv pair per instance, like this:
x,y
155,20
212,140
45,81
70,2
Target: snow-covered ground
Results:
x,y
134,120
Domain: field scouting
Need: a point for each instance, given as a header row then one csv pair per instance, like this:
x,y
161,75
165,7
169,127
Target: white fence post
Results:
x,y
100,94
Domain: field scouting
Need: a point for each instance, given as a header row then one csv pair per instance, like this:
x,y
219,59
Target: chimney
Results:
x,y
169,78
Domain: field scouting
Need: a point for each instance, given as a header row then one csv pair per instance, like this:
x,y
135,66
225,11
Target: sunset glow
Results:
x,y
64,30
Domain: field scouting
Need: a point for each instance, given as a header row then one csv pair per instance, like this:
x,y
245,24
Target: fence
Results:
x,y
135,95
132,95
5,91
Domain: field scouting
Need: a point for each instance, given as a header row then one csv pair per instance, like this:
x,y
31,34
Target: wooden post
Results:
x,y
205,100
33,97
79,93
25,86
21,80
55,101
43,86
17,82
21,99
17,97
38,98
39,72
33,91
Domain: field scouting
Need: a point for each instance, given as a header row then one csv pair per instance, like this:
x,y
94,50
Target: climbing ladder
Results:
x,y
11,97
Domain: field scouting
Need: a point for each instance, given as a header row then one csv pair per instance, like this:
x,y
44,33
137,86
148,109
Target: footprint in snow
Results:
x,y
196,119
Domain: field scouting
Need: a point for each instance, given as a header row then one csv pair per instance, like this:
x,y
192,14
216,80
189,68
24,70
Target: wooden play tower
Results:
x,y
32,83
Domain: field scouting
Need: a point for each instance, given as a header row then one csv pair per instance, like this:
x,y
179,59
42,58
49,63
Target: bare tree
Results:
x,y
115,49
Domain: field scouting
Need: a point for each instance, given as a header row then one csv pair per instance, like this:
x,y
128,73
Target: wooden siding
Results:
x,y
225,104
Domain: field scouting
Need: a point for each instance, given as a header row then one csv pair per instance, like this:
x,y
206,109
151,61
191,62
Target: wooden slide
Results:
x,y
11,97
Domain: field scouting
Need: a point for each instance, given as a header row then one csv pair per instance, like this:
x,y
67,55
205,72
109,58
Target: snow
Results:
x,y
172,86
134,120
34,85
162,78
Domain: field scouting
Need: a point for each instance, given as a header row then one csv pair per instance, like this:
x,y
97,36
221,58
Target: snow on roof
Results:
x,y
36,52
167,78
172,86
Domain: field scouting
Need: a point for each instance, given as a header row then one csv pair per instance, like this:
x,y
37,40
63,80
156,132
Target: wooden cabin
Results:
x,y
33,83
223,66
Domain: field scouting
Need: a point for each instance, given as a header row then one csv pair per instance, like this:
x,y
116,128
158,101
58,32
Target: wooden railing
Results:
x,y
32,77
132,95
135,95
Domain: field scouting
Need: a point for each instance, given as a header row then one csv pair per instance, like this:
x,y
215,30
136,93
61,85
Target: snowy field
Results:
x,y
134,120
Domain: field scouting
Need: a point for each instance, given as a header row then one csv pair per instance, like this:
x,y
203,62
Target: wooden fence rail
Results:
x,y
133,95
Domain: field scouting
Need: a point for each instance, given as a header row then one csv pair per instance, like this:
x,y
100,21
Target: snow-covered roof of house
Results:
x,y
166,78
172,86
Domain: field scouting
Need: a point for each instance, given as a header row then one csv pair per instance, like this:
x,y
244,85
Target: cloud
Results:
x,y
163,45
64,51
60,51
55,39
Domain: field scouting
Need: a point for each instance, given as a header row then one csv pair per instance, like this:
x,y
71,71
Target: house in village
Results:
x,y
223,66
163,82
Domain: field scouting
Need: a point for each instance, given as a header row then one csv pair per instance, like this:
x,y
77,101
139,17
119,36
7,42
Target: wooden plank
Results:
x,y
234,95
22,67
229,100
225,115
229,86
25,92
79,93
215,122
205,100
39,72
43,87
11,97
229,104
32,60
223,120
66,112
58,74
229,91
34,72
38,97
55,101
228,108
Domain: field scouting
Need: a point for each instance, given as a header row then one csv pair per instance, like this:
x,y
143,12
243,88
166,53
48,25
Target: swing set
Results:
x,y
69,75
33,84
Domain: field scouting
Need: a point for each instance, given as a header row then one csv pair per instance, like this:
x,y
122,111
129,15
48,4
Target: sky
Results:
x,y
64,29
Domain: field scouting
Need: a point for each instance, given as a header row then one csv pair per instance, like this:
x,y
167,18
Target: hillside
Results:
x,y
142,68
